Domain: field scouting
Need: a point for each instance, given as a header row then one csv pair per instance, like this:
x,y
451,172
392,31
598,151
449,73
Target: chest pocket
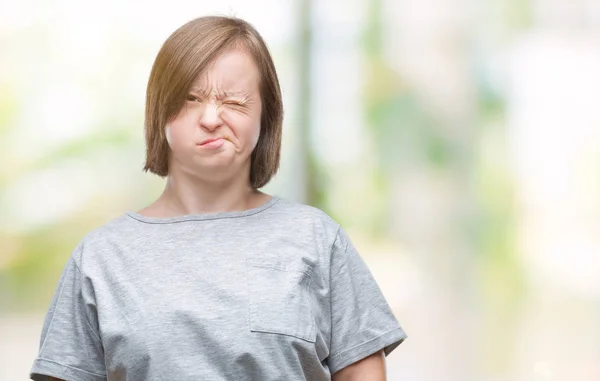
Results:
x,y
279,298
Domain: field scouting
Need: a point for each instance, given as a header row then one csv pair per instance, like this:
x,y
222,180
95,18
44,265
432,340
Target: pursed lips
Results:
x,y
207,141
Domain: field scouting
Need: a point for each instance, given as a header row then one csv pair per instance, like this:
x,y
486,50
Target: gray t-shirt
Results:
x,y
276,292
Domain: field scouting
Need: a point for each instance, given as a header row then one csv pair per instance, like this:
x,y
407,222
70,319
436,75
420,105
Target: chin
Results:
x,y
216,162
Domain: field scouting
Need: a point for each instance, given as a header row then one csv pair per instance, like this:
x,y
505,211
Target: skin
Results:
x,y
225,103
371,368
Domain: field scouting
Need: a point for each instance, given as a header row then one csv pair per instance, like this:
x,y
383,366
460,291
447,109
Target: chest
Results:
x,y
190,300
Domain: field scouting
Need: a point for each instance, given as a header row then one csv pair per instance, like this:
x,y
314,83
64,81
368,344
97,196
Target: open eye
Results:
x,y
193,98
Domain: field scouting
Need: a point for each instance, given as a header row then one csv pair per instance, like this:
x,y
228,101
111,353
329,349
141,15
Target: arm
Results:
x,y
73,339
371,368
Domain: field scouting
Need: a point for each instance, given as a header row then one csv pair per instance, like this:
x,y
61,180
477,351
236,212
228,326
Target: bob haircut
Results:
x,y
181,59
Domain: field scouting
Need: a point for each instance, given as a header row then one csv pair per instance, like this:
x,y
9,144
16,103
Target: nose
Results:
x,y
210,118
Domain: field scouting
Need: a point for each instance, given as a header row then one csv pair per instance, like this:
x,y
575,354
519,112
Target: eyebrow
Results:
x,y
221,94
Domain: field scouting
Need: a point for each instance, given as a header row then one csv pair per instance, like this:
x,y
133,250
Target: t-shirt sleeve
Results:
x,y
362,322
70,347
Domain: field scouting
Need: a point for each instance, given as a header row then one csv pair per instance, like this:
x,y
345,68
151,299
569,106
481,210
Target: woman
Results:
x,y
216,280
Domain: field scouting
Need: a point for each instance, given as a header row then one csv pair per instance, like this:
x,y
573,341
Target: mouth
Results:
x,y
212,143
207,141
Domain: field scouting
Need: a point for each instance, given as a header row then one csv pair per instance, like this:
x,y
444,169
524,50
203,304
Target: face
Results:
x,y
217,129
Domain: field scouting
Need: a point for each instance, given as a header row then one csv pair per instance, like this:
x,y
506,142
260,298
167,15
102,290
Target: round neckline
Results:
x,y
204,216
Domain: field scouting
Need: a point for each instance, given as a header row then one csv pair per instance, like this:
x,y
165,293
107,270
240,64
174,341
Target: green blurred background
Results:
x,y
457,141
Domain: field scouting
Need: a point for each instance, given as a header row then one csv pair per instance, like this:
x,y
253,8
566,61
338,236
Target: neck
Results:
x,y
188,194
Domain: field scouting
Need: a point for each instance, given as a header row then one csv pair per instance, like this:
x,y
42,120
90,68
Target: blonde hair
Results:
x,y
181,59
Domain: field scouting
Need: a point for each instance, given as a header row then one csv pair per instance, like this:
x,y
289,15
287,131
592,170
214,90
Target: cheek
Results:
x,y
255,128
173,135
252,134
256,135
246,128
168,135
179,131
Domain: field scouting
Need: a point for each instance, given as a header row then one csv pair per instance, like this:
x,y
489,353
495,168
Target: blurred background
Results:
x,y
458,142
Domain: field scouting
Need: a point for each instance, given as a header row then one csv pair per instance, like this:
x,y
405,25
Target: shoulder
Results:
x,y
102,239
114,229
303,216
285,205
300,225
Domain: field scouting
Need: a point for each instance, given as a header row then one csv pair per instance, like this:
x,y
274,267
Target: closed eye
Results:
x,y
234,103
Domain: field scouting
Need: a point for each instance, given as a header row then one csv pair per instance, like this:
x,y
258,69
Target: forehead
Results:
x,y
233,71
